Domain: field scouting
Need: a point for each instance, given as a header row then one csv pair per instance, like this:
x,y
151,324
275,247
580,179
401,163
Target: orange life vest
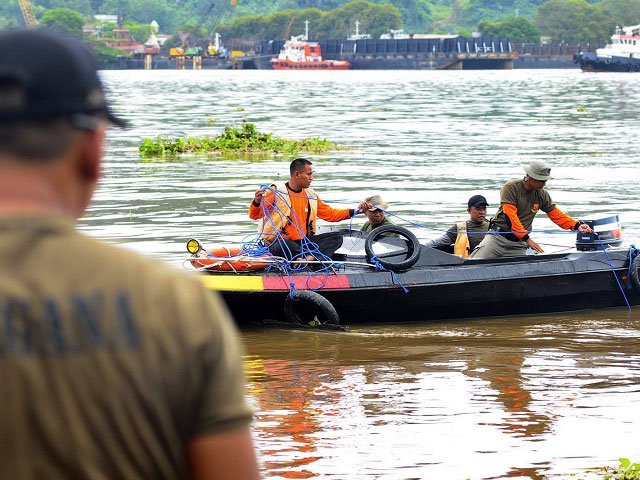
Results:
x,y
280,215
461,247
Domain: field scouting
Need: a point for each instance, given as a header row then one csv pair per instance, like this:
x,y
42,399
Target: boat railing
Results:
x,y
554,49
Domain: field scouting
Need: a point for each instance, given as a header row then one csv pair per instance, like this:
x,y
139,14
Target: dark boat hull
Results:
x,y
442,286
591,62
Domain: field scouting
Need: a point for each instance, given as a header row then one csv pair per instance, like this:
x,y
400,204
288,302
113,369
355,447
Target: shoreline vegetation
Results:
x,y
234,140
627,470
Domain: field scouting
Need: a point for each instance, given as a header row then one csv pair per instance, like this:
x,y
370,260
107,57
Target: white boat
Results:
x,y
621,55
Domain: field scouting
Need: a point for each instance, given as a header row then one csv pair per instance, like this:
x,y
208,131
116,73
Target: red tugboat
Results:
x,y
300,54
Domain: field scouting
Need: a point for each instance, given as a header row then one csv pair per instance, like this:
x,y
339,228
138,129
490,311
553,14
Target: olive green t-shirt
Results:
x,y
109,362
528,204
368,228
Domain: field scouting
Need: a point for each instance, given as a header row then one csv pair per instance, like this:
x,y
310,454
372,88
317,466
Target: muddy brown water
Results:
x,y
516,397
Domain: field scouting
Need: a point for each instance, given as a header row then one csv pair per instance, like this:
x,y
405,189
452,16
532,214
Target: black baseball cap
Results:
x,y
477,201
45,75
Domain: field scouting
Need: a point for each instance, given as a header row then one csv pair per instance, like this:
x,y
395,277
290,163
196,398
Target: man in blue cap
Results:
x,y
466,235
112,366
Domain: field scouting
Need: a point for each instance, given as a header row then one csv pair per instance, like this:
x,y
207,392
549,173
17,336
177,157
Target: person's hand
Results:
x,y
363,207
584,228
258,197
534,246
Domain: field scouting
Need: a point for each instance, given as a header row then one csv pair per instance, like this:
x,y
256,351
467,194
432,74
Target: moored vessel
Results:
x,y
621,55
300,54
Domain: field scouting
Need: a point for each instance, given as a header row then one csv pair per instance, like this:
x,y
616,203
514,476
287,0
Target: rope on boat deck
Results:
x,y
422,225
308,249
394,275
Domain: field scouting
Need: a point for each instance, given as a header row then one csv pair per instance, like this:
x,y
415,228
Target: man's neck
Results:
x,y
24,192
291,185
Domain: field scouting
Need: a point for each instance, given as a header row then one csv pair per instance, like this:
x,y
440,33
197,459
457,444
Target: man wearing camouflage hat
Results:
x,y
520,200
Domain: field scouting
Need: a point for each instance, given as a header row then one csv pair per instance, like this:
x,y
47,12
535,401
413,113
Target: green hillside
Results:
x,y
250,20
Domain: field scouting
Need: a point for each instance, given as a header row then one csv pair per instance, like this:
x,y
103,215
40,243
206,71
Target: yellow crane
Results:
x,y
27,13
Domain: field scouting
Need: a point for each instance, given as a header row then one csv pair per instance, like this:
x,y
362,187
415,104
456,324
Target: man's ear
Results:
x,y
91,158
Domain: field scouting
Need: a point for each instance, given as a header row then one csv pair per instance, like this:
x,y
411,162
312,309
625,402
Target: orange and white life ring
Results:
x,y
228,259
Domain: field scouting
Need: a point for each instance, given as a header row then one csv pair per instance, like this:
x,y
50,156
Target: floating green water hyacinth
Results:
x,y
235,140
627,470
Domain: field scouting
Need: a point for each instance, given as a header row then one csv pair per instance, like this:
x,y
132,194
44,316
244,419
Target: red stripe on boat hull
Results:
x,y
307,282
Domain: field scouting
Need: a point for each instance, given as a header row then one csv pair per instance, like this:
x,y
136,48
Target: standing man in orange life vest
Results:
x,y
289,215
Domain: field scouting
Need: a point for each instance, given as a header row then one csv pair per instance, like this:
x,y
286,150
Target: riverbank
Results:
x,y
408,54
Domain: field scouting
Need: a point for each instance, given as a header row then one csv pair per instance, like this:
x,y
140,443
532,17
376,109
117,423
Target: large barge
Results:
x,y
435,53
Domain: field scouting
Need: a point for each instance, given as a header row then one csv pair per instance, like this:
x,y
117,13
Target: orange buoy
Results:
x,y
228,259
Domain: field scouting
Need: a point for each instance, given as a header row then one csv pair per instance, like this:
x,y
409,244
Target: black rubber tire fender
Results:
x,y
635,273
307,306
414,247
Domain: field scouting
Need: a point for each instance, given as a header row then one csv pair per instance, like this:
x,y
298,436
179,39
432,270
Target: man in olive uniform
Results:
x,y
375,214
464,236
520,200
112,366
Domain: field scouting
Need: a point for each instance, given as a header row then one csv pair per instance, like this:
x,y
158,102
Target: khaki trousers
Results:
x,y
496,246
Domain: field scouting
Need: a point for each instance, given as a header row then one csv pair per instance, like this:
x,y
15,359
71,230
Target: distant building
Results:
x,y
106,18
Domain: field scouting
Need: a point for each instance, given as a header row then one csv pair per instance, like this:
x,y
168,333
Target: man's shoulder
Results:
x,y
513,183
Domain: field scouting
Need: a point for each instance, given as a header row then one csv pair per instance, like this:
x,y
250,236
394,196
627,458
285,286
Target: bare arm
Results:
x,y
226,456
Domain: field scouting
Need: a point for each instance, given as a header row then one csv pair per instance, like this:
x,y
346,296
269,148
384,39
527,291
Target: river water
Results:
x,y
524,397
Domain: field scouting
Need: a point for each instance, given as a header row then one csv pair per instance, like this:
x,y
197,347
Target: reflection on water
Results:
x,y
538,397
529,397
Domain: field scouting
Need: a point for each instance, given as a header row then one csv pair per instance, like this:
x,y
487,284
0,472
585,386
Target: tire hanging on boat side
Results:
x,y
414,247
310,308
635,273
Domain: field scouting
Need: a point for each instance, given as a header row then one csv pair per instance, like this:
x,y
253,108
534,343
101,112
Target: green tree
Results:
x,y
573,21
7,23
475,11
168,15
622,12
63,20
518,29
339,23
81,6
416,14
380,20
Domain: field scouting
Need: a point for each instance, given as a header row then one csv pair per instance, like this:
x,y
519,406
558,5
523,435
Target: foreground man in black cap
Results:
x,y
520,200
464,236
111,366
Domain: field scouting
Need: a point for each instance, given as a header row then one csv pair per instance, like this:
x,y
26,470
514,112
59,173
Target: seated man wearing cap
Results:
x,y
520,200
375,214
460,238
